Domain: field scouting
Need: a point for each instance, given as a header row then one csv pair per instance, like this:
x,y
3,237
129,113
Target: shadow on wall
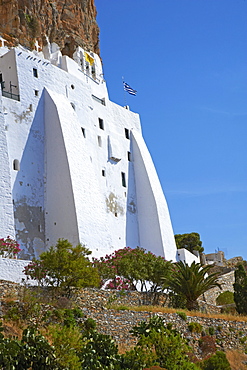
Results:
x,y
28,190
132,227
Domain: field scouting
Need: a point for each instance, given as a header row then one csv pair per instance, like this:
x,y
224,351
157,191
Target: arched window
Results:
x,y
16,165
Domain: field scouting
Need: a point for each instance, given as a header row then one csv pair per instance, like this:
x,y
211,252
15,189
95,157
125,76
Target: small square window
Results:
x,y
129,156
36,92
127,133
35,72
99,141
83,132
103,173
123,179
101,124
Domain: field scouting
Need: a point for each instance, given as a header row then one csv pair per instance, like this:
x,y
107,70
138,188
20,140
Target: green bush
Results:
x,y
89,324
182,315
240,290
67,343
99,352
226,297
64,267
155,323
32,352
138,358
242,340
158,345
211,330
195,327
216,362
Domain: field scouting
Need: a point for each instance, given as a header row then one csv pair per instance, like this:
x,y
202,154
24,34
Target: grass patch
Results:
x,y
155,309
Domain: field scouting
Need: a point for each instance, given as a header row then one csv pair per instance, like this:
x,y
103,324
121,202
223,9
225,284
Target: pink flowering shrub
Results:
x,y
9,248
119,284
36,271
127,267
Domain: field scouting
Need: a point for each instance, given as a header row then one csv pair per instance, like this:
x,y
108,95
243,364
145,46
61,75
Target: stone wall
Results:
x,y
227,334
118,323
226,281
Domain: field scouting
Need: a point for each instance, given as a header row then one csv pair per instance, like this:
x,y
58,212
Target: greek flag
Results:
x,y
129,89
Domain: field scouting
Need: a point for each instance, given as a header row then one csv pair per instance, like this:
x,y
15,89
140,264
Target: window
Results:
x,y
101,124
72,105
93,72
127,133
103,173
16,165
129,156
36,92
83,132
35,72
123,179
72,87
99,141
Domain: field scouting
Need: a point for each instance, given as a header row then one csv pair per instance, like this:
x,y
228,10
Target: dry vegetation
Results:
x,y
237,359
154,309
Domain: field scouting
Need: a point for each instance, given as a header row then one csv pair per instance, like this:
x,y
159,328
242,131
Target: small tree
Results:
x,y
190,241
64,266
191,281
240,290
133,266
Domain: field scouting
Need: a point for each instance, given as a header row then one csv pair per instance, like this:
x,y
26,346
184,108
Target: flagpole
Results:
x,y
124,92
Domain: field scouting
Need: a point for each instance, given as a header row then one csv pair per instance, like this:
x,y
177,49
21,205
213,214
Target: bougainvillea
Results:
x,y
119,284
9,248
131,266
36,271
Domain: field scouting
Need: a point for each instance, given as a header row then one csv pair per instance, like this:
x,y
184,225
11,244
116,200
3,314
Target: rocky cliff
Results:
x,y
68,23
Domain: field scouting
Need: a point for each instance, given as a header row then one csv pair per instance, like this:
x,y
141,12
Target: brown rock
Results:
x,y
69,23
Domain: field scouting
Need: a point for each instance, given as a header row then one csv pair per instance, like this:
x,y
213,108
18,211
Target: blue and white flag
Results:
x,y
129,89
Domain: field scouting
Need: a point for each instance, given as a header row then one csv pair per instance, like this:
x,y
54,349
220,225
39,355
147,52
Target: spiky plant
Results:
x,y
191,281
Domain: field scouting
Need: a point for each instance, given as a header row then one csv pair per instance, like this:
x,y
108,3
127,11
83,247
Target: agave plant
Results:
x,y
191,281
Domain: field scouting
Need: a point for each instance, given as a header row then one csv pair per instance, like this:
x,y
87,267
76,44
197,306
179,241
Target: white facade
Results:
x,y
12,270
74,164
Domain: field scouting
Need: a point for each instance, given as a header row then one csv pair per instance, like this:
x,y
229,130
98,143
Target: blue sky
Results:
x,y
188,61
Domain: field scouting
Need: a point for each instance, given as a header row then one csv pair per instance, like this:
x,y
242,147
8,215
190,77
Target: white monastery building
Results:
x,y
73,164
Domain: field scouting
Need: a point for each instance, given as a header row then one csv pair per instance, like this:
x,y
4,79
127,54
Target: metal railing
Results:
x,y
101,101
10,95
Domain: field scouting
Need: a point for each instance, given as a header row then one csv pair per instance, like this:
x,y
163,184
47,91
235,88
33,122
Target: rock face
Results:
x,y
68,23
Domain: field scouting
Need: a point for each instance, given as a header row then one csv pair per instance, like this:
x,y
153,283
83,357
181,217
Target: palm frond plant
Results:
x,y
191,281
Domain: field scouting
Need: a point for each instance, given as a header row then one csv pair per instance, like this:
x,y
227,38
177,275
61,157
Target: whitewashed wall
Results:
x,y
185,256
70,183
12,270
